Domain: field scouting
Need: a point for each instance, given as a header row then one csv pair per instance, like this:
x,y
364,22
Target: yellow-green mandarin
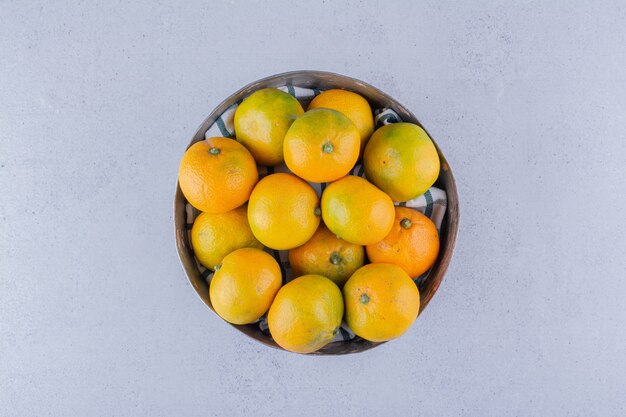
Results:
x,y
306,314
261,122
213,236
401,160
357,211
243,288
355,107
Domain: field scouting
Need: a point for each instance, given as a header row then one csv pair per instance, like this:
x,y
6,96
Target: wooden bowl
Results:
x,y
378,99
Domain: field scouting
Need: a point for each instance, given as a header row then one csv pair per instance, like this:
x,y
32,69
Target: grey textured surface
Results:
x,y
97,102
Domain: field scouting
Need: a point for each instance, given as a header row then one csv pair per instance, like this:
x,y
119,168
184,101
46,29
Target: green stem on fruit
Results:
x,y
335,258
406,223
364,299
328,147
214,151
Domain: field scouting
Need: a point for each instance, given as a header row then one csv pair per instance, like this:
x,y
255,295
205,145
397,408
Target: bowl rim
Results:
x,y
450,222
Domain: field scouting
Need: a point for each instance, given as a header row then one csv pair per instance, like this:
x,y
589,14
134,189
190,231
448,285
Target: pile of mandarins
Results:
x,y
352,238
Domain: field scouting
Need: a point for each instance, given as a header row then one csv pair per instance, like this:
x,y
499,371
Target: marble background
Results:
x,y
99,99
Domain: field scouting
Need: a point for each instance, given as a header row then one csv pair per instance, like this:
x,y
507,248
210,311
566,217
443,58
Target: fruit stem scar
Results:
x,y
364,299
317,211
214,151
328,147
335,259
405,223
217,267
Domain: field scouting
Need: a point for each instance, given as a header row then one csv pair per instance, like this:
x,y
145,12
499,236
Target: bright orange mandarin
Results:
x,y
412,244
283,211
327,255
321,146
382,302
217,175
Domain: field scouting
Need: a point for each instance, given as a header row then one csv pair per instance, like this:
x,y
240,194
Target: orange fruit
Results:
x,y
244,286
283,211
306,314
354,106
412,244
217,175
262,120
327,255
356,211
401,160
382,302
213,236
321,145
